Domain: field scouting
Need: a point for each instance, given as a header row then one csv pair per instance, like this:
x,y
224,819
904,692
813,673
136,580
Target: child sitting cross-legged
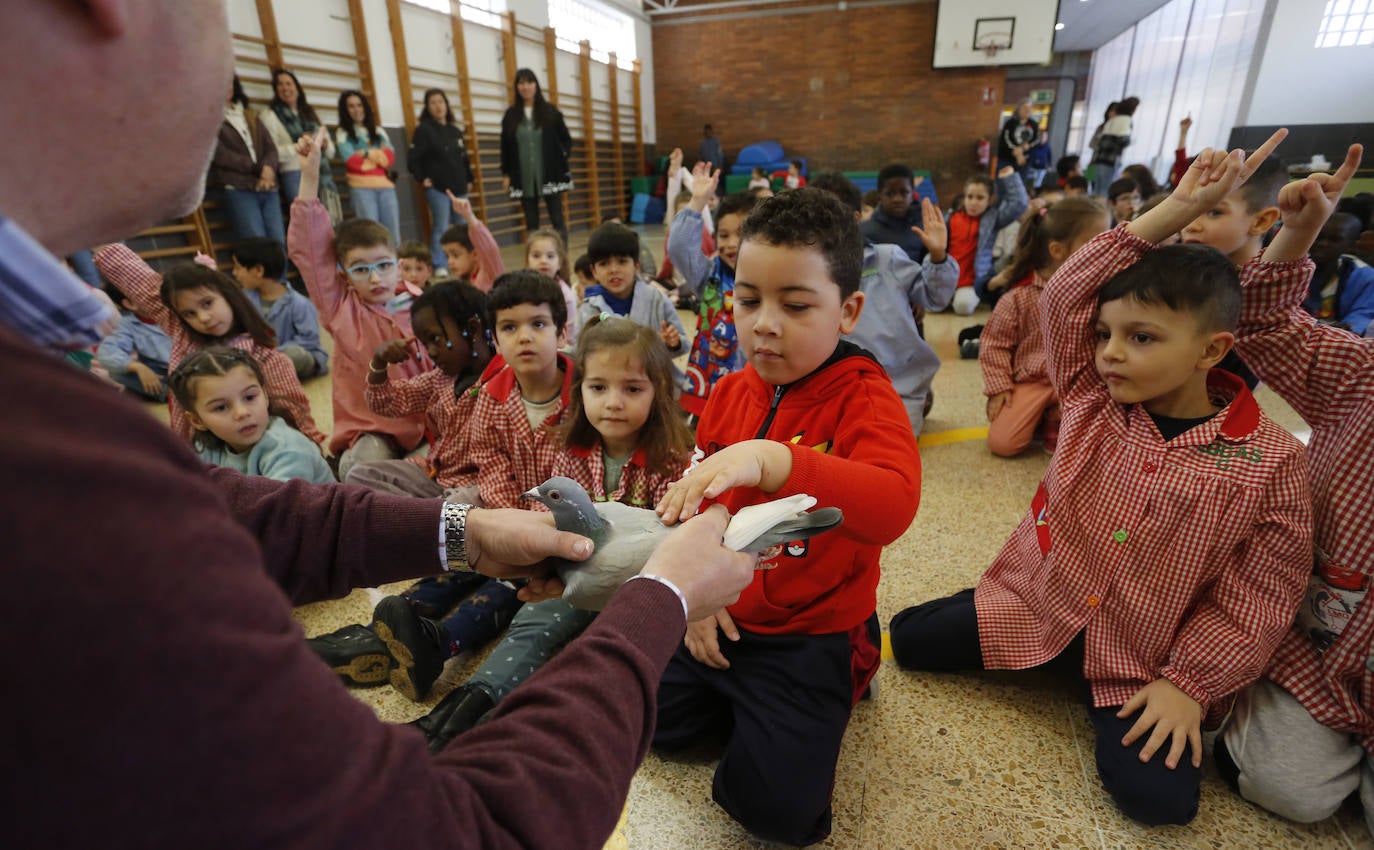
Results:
x,y
238,425
199,306
1167,547
260,268
1012,347
810,413
973,228
614,252
625,441
137,352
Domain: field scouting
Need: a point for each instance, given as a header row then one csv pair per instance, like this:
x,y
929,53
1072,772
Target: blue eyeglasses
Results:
x,y
362,272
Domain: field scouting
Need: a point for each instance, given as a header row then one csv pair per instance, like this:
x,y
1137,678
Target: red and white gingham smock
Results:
x,y
1183,559
1327,375
510,456
142,285
1011,349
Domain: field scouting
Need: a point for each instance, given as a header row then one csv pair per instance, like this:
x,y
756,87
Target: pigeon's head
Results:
x,y
568,501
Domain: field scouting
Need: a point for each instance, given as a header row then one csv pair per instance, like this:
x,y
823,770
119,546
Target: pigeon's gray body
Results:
x,y
625,537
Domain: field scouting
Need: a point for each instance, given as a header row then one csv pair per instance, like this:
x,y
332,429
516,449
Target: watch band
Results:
x,y
455,516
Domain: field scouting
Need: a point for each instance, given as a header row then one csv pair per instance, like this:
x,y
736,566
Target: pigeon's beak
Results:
x,y
532,493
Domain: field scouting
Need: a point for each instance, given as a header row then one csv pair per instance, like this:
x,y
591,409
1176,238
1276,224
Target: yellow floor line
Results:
x,y
956,435
887,647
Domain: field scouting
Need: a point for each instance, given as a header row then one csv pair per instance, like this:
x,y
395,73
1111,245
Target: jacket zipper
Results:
x,y
772,412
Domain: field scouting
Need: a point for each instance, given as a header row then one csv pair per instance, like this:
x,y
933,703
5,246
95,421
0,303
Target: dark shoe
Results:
x,y
455,714
968,349
356,654
414,643
929,403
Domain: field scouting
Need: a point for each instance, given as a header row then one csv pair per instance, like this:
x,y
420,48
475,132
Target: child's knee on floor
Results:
x,y
1148,792
794,815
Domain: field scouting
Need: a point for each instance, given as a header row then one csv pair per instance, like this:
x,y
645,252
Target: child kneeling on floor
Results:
x,y
1169,543
812,414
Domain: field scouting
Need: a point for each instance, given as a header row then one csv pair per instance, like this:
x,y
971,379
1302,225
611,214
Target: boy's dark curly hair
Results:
x,y
1194,279
812,218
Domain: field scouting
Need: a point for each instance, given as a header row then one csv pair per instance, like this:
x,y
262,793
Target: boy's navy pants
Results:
x,y
781,709
943,635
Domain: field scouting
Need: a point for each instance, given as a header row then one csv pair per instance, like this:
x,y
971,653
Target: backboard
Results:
x,y
993,32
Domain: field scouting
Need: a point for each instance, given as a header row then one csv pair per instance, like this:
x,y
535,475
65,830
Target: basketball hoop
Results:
x,y
990,50
992,43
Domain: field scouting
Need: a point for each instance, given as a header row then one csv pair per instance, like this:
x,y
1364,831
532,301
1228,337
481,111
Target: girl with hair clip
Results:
x,y
289,118
625,441
438,160
199,306
545,254
368,157
535,147
237,423
1012,348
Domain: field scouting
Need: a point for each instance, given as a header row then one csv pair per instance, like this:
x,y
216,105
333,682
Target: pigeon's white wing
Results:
x,y
751,521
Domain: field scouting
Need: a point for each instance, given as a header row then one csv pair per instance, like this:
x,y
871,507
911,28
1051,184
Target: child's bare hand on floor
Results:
x,y
1173,715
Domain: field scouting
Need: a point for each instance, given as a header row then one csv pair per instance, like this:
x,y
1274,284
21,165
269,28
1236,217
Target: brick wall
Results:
x,y
849,90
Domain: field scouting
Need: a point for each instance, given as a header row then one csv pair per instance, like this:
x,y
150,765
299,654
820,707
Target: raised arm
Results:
x,y
1230,637
310,235
1012,197
139,283
684,237
489,263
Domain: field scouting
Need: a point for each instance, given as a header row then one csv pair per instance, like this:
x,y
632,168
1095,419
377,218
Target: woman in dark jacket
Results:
x,y
245,167
535,145
438,160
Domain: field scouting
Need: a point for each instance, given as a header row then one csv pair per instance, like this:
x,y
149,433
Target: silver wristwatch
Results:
x,y
455,517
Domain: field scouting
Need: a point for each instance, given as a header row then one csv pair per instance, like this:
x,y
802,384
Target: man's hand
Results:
x,y
753,463
695,560
704,182
1172,714
671,337
703,639
1305,205
152,384
997,402
395,350
511,543
462,206
933,233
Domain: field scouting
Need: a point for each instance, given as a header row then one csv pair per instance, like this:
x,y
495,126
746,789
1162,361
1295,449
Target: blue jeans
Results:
x,y
290,185
254,213
442,215
380,206
130,382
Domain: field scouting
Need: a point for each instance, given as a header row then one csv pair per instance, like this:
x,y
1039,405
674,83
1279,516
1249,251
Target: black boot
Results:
x,y
415,644
356,654
455,714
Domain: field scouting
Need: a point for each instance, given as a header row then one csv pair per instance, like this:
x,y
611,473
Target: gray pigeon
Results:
x,y
625,537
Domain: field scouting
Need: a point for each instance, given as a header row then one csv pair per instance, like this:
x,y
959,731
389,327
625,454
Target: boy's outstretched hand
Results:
x,y
1305,205
1172,714
310,148
703,639
671,338
933,233
753,463
462,206
704,182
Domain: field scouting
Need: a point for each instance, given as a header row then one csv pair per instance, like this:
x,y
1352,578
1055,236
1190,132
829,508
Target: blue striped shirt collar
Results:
x,y
41,299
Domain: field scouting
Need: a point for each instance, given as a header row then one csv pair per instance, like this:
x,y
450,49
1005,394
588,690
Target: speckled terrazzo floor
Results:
x,y
936,761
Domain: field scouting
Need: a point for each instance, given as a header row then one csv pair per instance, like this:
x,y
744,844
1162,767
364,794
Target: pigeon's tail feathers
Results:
x,y
805,526
753,520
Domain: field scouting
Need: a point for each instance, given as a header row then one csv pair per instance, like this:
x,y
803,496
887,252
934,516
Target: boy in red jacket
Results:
x,y
808,414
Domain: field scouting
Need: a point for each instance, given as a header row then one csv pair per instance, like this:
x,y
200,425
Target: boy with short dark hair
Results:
x,y
1123,199
1237,224
512,432
1166,549
1067,167
894,289
614,253
896,214
259,267
582,268
814,414
416,268
472,252
1075,185
1301,740
1342,291
137,352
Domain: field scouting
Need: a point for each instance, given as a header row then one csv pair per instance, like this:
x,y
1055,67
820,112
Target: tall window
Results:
x,y
485,12
1346,23
608,30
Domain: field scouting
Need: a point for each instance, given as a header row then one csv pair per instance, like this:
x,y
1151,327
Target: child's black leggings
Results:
x,y
942,635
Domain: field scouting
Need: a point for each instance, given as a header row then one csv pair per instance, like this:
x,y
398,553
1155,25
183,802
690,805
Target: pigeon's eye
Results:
x,y
555,495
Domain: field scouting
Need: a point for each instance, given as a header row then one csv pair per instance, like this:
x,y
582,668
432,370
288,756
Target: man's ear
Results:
x,y
1261,221
108,16
1219,344
850,311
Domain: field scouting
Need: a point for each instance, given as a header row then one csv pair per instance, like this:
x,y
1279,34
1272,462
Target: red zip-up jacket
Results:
x,y
852,448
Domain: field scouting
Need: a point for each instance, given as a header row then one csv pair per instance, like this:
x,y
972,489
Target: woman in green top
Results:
x,y
535,145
